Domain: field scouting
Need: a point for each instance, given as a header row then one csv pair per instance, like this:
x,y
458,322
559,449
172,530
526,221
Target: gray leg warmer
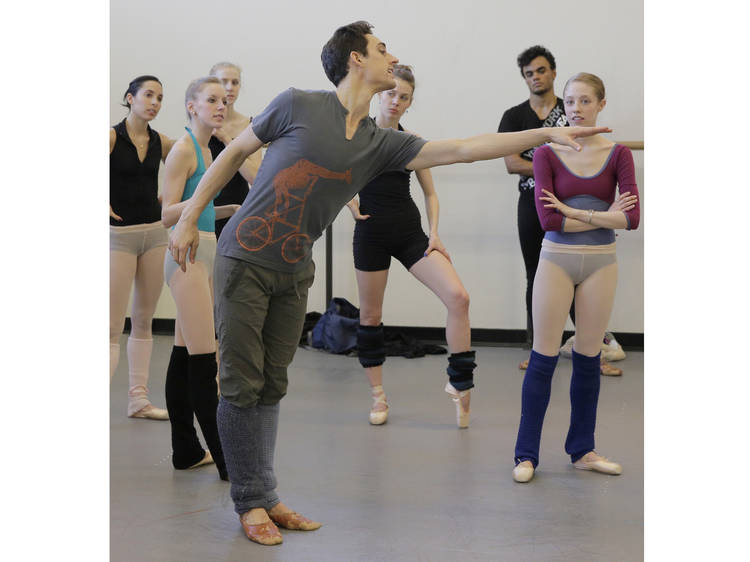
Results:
x,y
248,438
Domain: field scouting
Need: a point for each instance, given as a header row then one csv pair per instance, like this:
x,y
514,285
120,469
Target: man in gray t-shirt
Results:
x,y
306,178
324,148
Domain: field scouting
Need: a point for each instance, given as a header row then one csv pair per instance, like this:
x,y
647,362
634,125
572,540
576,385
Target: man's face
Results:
x,y
378,64
539,77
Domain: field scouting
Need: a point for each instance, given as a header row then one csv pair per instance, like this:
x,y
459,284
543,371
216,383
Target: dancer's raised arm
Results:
x,y
496,145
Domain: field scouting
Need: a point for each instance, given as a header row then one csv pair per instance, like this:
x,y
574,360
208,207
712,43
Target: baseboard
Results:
x,y
630,341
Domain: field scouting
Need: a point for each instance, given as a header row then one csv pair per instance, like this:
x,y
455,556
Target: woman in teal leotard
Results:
x,y
191,375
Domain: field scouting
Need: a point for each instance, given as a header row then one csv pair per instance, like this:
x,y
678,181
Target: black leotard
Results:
x,y
394,227
133,185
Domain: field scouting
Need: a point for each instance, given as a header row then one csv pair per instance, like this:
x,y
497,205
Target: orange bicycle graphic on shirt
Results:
x,y
283,219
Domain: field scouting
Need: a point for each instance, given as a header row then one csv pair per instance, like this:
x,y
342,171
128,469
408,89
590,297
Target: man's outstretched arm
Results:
x,y
496,145
184,237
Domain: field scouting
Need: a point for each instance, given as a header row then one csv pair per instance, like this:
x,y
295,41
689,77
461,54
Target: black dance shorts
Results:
x,y
377,239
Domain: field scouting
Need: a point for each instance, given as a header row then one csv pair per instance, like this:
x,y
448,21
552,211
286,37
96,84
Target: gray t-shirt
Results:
x,y
309,172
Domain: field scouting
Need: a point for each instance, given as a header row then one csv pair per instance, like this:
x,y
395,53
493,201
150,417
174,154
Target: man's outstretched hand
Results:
x,y
567,135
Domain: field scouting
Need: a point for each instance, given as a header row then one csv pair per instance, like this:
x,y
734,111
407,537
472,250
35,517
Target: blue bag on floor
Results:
x,y
336,331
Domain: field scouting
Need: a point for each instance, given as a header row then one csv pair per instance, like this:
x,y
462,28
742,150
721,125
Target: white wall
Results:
x,y
464,56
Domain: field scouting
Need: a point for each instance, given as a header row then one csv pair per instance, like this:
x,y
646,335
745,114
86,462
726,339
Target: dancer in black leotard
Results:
x,y
137,239
388,224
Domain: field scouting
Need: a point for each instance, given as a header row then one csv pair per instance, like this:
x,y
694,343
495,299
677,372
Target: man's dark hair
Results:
x,y
335,54
533,52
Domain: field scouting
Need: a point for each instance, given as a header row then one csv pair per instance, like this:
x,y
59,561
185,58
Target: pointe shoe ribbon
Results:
x,y
264,533
462,415
294,521
378,417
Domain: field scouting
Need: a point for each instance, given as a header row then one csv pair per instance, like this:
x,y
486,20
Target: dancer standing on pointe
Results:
x,y
137,239
575,200
324,149
191,374
388,224
235,191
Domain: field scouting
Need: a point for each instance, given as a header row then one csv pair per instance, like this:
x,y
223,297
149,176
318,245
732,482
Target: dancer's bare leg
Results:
x,y
149,281
439,275
550,306
595,298
192,294
122,268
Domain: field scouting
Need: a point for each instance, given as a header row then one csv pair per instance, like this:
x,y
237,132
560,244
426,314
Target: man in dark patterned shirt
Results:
x,y
542,109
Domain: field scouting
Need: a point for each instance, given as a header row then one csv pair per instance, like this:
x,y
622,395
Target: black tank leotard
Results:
x,y
133,185
394,227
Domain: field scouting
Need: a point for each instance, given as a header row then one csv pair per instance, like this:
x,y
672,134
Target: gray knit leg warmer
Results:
x,y
248,438
269,425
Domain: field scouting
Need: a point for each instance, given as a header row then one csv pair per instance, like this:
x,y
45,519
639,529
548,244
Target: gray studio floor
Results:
x,y
416,488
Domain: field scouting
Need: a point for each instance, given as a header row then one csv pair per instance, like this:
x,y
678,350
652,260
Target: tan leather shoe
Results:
x,y
264,533
294,521
609,370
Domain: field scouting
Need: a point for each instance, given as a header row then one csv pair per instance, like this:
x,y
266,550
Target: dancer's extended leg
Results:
x,y
439,275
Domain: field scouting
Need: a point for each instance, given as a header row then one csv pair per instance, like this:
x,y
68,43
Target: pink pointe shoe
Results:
x,y
597,463
523,472
151,412
378,414
462,399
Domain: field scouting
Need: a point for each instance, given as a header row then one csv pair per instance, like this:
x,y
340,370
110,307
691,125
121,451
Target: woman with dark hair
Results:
x,y
137,239
235,122
191,374
575,200
388,224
